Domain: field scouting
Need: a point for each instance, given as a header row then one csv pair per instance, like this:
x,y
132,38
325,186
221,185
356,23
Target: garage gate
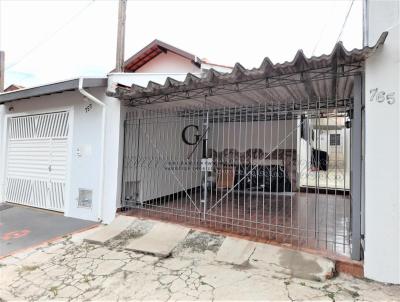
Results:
x,y
37,148
276,171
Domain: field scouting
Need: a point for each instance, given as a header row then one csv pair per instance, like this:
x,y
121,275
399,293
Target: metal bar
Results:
x,y
124,146
270,178
281,81
233,169
204,157
345,167
247,173
308,163
293,122
277,174
137,161
336,175
327,183
356,166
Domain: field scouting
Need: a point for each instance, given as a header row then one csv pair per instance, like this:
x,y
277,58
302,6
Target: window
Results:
x,y
334,139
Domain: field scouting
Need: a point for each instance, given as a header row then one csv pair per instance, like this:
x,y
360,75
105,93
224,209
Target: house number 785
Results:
x,y
88,108
381,96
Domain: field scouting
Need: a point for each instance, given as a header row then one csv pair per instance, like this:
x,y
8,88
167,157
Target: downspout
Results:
x,y
103,124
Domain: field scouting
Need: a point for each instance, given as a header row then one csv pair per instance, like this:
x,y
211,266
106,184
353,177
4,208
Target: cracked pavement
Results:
x,y
71,269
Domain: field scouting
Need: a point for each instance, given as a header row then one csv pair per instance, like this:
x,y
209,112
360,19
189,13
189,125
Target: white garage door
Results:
x,y
37,152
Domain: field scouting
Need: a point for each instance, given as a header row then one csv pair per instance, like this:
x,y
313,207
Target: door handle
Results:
x,y
49,168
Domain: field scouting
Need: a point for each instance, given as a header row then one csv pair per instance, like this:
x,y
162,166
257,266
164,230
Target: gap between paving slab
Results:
x,y
110,231
160,240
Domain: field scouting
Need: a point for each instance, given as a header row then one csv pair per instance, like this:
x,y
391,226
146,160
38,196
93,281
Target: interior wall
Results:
x,y
166,165
268,135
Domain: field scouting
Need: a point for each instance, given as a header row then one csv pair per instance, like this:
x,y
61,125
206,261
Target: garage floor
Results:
x,y
23,227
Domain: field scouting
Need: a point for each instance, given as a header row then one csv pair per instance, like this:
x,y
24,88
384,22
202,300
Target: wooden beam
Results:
x,y
121,36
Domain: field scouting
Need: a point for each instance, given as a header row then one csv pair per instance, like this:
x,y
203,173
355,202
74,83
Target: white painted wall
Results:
x,y
168,63
164,167
267,136
2,151
382,147
161,142
83,171
113,152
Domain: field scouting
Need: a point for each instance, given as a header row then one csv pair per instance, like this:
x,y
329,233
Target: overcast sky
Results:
x,y
47,41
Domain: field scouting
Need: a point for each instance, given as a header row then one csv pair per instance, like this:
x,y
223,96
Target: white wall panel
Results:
x,y
382,146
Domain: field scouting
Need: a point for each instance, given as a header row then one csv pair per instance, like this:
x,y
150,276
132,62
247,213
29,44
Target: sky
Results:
x,y
51,40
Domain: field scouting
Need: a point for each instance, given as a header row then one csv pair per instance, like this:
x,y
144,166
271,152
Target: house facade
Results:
x,y
53,148
291,153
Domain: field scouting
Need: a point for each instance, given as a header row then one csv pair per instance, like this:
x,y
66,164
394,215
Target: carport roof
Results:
x,y
57,87
324,77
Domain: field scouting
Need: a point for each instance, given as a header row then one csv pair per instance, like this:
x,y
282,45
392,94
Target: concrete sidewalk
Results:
x,y
73,269
160,239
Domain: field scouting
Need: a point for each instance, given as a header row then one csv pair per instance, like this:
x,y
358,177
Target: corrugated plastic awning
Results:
x,y
325,76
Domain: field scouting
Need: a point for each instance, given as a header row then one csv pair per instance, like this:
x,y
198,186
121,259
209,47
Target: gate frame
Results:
x,y
357,166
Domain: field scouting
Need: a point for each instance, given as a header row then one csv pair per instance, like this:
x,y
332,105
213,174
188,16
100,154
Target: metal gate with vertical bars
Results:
x,y
277,171
37,149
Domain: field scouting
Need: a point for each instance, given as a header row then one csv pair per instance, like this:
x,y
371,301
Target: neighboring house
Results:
x,y
159,60
70,128
52,139
13,87
273,152
160,57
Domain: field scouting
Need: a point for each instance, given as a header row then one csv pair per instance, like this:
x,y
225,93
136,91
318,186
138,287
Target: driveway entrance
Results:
x,y
23,227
